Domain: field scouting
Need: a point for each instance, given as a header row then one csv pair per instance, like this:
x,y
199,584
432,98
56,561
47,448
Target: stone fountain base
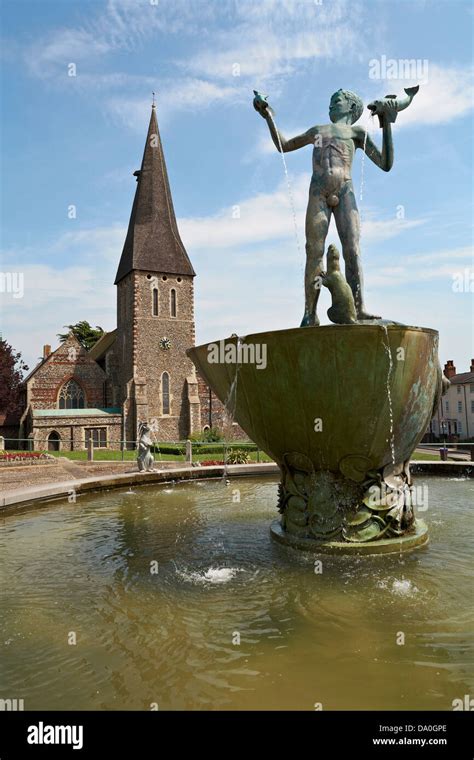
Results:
x,y
340,408
417,538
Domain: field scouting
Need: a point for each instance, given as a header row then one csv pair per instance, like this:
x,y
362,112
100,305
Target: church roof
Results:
x,y
153,242
103,344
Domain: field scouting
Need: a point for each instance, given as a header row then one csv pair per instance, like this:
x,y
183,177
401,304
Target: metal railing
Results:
x,y
121,451
197,451
454,450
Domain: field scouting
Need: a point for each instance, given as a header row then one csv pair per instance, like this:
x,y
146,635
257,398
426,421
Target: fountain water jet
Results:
x,y
288,183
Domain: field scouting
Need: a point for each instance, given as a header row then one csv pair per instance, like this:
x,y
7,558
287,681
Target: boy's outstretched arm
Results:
x,y
384,158
286,145
307,138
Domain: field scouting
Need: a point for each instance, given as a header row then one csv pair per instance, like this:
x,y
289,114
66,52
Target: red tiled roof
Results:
x,y
463,377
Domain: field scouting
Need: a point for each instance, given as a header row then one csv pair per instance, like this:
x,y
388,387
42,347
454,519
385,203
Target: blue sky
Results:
x,y
76,140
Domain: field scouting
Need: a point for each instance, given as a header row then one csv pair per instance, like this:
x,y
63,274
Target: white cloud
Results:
x,y
268,55
263,217
269,38
269,296
188,95
55,297
436,265
268,216
63,47
106,242
250,291
446,96
119,25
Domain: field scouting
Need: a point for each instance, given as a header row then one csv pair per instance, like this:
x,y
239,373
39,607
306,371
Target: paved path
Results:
x,y
50,489
13,478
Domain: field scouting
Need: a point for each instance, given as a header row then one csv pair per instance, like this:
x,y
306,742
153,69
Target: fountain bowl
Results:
x,y
340,408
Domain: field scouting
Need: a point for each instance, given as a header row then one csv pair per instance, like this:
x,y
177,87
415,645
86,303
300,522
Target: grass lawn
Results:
x,y
110,455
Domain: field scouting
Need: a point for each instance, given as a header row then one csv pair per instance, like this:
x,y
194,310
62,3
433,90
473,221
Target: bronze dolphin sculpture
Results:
x,y
390,105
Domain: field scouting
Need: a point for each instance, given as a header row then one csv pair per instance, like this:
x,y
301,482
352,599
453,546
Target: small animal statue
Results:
x,y
145,459
343,310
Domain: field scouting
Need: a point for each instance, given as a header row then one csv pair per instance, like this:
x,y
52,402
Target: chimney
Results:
x,y
449,369
46,351
472,365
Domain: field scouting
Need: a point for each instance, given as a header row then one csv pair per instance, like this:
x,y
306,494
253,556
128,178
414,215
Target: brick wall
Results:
x,y
69,361
215,415
72,430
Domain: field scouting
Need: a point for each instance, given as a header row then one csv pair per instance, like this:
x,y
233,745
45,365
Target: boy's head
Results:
x,y
345,103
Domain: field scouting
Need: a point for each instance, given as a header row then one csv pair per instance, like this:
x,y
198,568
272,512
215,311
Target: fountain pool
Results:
x,y
170,638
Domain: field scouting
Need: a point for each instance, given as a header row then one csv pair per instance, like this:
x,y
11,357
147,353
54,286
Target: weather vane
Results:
x,y
153,104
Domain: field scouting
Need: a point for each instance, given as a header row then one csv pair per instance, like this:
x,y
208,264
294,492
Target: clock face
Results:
x,y
165,343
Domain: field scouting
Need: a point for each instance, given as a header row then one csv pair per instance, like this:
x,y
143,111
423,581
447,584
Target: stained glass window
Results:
x,y
71,396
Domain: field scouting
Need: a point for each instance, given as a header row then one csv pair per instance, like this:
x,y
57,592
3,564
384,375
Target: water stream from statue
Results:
x,y
231,400
386,346
288,182
370,127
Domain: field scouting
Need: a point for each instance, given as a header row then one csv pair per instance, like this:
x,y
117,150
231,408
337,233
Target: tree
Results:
x,y
85,334
12,368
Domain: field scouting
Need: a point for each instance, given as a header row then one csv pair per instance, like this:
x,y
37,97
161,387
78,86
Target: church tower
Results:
x,y
155,310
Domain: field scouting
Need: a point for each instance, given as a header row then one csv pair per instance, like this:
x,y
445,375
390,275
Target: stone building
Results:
x,y
140,371
66,401
454,418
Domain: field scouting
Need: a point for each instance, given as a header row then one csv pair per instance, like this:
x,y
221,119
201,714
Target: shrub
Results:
x,y
212,435
168,448
238,456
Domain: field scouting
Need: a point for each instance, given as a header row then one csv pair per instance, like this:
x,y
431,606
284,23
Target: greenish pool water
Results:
x,y
169,638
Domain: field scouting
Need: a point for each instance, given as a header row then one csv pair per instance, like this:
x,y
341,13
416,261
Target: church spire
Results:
x,y
153,242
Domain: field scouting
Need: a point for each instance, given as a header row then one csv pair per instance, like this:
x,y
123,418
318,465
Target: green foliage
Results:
x,y
85,334
12,368
212,435
238,456
168,448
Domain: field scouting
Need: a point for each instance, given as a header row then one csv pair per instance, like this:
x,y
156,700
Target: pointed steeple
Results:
x,y
153,242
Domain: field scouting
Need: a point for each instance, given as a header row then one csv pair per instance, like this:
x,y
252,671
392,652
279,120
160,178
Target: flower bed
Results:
x,y
25,457
211,463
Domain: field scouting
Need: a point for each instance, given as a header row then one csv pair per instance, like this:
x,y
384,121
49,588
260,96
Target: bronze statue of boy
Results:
x,y
331,190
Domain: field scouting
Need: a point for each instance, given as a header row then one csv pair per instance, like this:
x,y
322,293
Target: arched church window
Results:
x,y
71,396
173,302
165,393
155,302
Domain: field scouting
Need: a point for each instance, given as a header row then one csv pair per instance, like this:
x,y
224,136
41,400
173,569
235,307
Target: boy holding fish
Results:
x,y
331,190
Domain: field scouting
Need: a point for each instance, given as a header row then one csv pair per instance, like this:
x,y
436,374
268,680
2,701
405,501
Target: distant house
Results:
x,y
454,418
